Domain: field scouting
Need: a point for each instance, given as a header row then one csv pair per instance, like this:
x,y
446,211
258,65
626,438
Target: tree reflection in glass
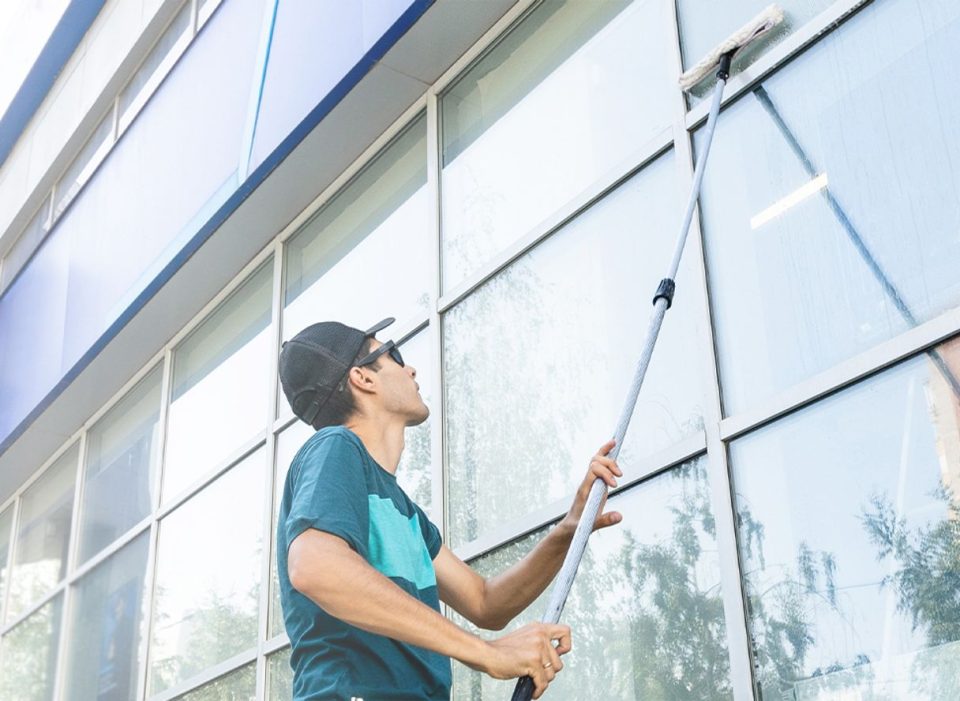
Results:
x,y
646,609
850,539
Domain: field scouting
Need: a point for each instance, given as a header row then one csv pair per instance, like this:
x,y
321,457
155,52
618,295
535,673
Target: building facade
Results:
x,y
197,180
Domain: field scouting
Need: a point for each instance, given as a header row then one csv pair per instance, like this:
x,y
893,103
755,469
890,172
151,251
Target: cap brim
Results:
x,y
380,326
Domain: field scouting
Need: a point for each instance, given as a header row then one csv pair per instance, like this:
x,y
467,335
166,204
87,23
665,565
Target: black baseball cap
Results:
x,y
315,361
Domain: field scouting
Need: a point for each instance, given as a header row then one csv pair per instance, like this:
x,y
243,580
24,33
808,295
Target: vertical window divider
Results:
x,y
267,552
721,495
11,555
437,453
73,547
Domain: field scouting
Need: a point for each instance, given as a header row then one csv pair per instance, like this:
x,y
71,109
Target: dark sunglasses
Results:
x,y
389,347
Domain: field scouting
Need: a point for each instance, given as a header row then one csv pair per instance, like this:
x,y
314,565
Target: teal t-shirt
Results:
x,y
334,485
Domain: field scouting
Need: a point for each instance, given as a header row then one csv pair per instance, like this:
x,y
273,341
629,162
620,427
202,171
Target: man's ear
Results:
x,y
362,379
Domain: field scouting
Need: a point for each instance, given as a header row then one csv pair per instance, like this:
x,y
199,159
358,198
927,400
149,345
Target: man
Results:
x,y
362,569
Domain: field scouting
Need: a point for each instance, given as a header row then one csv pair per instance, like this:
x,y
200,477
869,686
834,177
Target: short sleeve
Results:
x,y
329,492
431,534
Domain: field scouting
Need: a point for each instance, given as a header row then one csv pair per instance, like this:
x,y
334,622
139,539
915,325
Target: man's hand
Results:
x,y
529,652
606,469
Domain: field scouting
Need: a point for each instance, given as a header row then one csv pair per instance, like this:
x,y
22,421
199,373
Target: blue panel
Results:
x,y
171,170
71,28
315,45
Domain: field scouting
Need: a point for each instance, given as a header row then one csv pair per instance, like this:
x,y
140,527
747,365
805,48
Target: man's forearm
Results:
x,y
350,589
512,591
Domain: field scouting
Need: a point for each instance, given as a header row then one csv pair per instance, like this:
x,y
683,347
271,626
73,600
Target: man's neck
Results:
x,y
383,440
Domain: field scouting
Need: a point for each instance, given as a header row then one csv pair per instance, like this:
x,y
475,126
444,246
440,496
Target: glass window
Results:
x,y
376,229
28,242
240,685
280,676
43,535
831,203
288,443
565,96
646,610
208,577
848,514
6,528
121,462
82,167
220,385
177,35
538,361
29,654
103,660
704,25
414,473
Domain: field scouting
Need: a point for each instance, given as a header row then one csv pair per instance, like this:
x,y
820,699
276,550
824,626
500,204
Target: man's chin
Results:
x,y
420,417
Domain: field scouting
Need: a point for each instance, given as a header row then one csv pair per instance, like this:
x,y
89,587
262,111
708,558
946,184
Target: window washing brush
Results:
x,y
720,58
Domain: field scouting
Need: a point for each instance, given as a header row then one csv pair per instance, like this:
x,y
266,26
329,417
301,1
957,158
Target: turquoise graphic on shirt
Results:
x,y
395,545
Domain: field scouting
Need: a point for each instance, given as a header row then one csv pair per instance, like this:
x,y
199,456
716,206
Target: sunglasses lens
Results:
x,y
395,354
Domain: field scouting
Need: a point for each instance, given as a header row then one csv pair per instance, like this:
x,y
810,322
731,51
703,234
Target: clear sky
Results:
x,y
25,26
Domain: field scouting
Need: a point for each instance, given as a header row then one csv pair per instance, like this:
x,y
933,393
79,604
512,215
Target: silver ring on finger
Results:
x,y
547,665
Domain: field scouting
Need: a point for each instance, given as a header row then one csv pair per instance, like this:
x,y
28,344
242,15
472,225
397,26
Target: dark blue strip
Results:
x,y
316,115
64,40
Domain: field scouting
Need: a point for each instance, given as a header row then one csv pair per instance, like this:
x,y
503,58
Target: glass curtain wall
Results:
x,y
804,394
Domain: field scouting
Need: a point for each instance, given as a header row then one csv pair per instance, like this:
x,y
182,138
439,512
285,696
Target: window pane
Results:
x,y
220,385
29,654
43,535
414,473
82,167
538,361
564,97
236,686
831,203
6,526
646,610
208,577
849,539
280,679
376,229
704,25
120,474
288,443
103,660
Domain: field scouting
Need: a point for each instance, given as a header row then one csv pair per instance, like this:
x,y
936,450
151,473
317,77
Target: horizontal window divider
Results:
x,y
208,675
41,471
128,537
648,467
779,55
917,340
593,193
60,588
248,449
275,644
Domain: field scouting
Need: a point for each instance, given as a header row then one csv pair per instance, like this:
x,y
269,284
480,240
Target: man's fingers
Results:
x,y
609,519
561,634
554,660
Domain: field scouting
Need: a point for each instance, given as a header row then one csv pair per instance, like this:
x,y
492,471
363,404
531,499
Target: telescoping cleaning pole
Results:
x,y
719,58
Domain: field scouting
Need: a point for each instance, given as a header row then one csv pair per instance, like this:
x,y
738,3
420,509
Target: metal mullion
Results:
x,y
149,601
721,494
798,41
14,526
277,642
119,544
267,552
231,664
121,394
47,464
438,470
34,607
849,372
645,469
602,186
73,546
246,450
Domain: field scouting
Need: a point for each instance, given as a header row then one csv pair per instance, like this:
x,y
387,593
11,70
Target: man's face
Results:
x,y
400,392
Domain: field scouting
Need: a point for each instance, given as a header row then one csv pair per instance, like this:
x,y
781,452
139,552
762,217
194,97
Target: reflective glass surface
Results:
x,y
29,654
6,528
240,685
208,576
103,653
43,534
565,96
220,385
121,467
367,254
646,612
703,26
831,200
537,368
848,514
279,676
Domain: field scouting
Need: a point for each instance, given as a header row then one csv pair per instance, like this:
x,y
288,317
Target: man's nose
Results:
x,y
413,371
